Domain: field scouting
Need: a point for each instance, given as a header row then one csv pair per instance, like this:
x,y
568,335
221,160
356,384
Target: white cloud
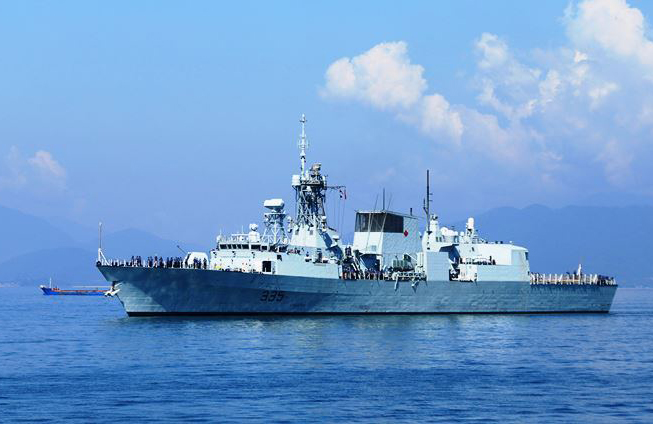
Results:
x,y
41,171
544,112
382,76
495,56
598,93
494,51
580,57
550,87
487,97
612,26
505,84
514,112
47,165
438,117
388,64
580,98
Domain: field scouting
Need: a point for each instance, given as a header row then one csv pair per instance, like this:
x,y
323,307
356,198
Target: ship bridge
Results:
x,y
386,234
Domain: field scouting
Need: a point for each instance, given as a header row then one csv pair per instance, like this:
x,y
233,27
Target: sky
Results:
x,y
180,118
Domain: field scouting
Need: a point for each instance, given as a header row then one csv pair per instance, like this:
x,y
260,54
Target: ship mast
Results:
x,y
303,145
310,188
310,228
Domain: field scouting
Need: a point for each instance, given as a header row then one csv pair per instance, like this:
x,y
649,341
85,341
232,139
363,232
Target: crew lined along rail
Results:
x,y
568,279
157,262
181,263
385,276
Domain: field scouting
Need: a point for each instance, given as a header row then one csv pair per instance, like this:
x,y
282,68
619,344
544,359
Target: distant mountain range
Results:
x,y
606,240
34,249
21,233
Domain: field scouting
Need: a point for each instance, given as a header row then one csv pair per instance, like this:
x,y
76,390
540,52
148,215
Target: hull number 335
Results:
x,y
272,296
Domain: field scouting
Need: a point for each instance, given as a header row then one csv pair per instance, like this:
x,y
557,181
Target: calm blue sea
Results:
x,y
80,359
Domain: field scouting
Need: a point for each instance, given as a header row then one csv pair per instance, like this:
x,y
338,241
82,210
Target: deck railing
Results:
x,y
568,279
154,262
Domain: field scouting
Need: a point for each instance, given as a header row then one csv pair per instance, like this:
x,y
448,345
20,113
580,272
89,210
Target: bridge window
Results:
x,y
377,222
362,222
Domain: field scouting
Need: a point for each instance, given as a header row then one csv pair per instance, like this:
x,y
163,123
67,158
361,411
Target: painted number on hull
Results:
x,y
272,295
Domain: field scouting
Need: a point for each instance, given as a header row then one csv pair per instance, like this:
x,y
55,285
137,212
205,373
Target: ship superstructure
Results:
x,y
300,265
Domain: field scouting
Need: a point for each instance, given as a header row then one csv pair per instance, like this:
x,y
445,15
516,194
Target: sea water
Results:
x,y
81,359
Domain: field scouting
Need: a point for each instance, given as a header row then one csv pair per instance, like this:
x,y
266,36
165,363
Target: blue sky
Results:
x,y
181,117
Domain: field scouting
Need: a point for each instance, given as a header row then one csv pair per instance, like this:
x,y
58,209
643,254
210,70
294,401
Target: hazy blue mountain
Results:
x,y
21,233
65,265
608,240
78,232
68,265
125,243
34,249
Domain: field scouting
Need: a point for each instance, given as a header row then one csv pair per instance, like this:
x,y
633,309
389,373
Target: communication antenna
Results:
x,y
385,214
303,143
100,256
369,222
427,202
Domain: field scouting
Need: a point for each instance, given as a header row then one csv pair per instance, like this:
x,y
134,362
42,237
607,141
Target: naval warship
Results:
x,y
300,265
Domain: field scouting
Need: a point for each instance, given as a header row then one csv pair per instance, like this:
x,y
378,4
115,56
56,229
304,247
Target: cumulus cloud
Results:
x,y
437,117
549,112
612,26
382,76
47,165
493,50
41,170
495,56
599,92
549,88
385,78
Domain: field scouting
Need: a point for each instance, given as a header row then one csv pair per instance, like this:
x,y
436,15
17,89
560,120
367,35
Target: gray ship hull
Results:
x,y
161,291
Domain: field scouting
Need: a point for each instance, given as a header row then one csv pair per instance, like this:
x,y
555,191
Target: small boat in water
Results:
x,y
86,291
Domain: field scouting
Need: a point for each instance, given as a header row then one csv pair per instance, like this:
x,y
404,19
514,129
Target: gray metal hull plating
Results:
x,y
159,291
